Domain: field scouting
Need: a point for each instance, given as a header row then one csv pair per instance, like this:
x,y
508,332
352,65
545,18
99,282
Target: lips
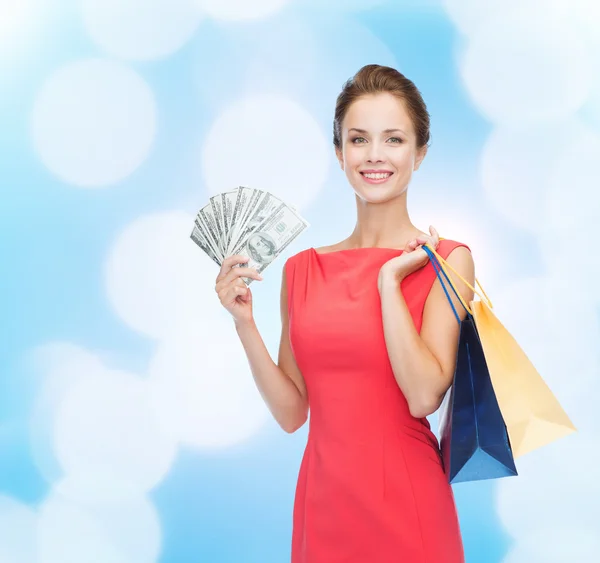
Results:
x,y
388,172
376,180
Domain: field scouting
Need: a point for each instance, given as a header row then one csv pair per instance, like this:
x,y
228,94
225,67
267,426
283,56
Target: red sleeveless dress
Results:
x,y
371,486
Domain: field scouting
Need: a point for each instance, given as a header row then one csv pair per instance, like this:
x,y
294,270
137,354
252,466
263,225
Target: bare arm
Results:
x,y
281,386
424,364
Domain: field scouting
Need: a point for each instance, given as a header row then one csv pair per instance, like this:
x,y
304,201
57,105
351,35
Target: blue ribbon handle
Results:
x,y
438,268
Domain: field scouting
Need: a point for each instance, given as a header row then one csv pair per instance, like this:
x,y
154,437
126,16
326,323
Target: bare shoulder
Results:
x,y
461,259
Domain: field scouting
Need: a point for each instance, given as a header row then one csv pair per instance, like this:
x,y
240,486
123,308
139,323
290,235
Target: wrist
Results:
x,y
389,280
243,325
391,275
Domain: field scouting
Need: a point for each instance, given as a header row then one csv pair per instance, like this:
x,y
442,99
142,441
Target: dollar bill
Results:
x,y
246,221
251,201
216,207
207,218
199,226
228,200
269,238
202,222
201,241
241,196
262,207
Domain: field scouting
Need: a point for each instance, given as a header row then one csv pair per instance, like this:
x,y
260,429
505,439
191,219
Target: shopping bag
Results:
x,y
532,413
473,437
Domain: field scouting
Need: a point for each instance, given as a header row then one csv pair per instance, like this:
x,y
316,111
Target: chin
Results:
x,y
378,193
380,196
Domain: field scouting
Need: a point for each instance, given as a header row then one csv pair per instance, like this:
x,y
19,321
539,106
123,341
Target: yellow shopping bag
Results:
x,y
532,414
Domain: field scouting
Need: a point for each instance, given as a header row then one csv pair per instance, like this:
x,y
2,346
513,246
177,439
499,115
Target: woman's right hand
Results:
x,y
233,293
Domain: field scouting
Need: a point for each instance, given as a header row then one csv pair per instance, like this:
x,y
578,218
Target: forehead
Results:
x,y
377,112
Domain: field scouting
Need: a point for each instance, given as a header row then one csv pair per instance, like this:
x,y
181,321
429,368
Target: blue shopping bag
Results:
x,y
473,436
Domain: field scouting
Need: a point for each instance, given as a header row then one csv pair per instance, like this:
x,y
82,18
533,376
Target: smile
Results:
x,y
376,178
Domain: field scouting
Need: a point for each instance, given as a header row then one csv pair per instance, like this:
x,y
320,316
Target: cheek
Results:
x,y
404,160
352,159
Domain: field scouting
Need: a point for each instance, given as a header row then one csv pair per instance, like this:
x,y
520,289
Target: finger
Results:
x,y
241,291
229,294
229,263
239,273
423,240
245,297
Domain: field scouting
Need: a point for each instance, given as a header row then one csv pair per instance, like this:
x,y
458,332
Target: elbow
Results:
x,y
419,411
290,429
291,426
293,423
424,406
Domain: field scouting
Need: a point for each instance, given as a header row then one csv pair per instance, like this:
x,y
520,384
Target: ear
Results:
x,y
420,156
340,157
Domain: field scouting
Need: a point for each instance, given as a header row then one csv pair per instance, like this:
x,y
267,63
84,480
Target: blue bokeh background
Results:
x,y
66,283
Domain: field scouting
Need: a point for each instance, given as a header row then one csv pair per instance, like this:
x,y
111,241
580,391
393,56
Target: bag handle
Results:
x,y
443,263
439,270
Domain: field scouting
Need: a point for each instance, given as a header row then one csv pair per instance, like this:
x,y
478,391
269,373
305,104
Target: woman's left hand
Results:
x,y
412,258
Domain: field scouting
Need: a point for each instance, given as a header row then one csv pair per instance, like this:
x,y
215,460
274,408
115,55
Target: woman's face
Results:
x,y
385,141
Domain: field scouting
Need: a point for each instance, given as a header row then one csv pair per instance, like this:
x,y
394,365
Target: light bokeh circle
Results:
x,y
572,214
140,29
57,366
157,278
518,165
241,10
542,73
279,147
107,434
203,387
118,532
470,15
93,122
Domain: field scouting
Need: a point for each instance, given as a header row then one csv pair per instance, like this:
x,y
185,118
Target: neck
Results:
x,y
385,224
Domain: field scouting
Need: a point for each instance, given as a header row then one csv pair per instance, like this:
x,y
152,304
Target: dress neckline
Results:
x,y
355,249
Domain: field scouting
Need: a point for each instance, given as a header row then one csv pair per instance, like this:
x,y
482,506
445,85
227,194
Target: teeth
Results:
x,y
377,176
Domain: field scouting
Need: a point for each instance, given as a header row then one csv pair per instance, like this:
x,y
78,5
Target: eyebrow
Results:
x,y
365,132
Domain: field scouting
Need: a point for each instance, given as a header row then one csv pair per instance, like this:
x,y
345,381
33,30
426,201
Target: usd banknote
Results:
x,y
247,221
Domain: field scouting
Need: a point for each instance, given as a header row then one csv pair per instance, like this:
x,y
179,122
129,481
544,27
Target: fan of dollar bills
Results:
x,y
249,222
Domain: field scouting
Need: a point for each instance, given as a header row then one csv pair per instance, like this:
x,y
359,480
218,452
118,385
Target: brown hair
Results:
x,y
374,79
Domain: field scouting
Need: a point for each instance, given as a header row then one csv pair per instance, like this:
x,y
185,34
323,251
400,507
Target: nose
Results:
x,y
375,153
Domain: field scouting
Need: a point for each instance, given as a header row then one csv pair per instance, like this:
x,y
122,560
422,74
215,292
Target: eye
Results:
x,y
356,139
396,138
